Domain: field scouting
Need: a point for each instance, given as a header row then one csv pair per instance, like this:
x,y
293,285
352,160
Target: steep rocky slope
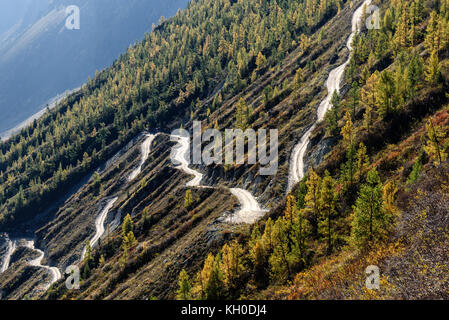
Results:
x,y
269,189
176,224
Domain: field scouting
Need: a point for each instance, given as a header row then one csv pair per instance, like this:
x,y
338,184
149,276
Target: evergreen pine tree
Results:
x,y
328,200
414,74
279,259
312,198
386,94
371,221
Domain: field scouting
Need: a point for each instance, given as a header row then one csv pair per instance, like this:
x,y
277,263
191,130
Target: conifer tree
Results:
x,y
362,162
86,271
242,114
414,74
386,96
348,169
205,274
188,199
433,70
20,198
102,260
368,96
368,118
299,78
333,114
260,264
300,233
444,9
400,79
184,291
400,37
260,61
371,221
413,21
328,200
433,148
128,225
211,279
354,94
130,239
267,237
348,131
267,94
390,190
364,76
432,39
88,254
388,21
255,236
232,264
416,171
258,257
218,100
97,182
125,247
290,209
301,195
279,259
312,198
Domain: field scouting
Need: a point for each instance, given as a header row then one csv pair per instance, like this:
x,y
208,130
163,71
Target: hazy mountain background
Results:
x,y
40,58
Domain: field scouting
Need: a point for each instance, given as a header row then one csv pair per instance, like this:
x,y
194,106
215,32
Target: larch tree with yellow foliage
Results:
x,y
369,100
210,279
232,265
433,69
184,291
328,199
386,94
312,198
434,148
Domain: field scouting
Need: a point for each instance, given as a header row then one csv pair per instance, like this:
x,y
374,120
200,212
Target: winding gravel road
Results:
x,y
55,273
13,244
99,225
145,150
250,210
8,254
333,83
180,156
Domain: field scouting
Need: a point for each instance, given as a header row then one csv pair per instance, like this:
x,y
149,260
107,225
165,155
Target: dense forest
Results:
x,y
395,78
157,82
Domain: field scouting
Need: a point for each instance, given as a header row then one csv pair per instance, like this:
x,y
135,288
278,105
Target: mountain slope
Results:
x,y
381,147
125,118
